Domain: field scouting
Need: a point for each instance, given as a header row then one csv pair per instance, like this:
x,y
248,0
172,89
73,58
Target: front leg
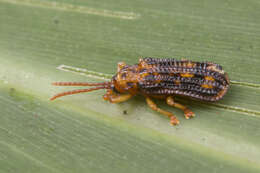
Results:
x,y
187,112
116,98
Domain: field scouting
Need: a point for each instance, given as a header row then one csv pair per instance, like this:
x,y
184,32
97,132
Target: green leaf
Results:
x,y
84,133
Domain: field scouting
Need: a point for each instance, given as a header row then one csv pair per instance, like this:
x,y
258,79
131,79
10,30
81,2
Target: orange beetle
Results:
x,y
161,78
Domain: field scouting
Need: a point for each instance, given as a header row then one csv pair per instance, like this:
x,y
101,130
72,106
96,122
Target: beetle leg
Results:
x,y
187,112
119,98
115,98
153,106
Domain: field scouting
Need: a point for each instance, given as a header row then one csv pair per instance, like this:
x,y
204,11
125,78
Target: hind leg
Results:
x,y
187,112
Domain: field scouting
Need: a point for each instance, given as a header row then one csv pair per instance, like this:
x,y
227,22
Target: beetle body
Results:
x,y
162,78
152,76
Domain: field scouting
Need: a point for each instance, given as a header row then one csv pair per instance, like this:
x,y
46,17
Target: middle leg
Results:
x,y
153,106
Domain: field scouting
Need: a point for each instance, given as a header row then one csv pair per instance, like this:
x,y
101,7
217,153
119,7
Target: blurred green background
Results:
x,y
83,133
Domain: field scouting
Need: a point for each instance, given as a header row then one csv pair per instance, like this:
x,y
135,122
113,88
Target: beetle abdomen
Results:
x,y
205,81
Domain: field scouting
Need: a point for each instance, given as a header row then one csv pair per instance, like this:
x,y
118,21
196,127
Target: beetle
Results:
x,y
161,78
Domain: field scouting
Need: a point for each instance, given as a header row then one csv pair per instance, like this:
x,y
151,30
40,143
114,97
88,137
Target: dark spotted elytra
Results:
x,y
161,78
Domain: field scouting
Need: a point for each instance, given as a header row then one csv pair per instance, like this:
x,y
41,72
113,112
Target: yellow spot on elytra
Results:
x,y
214,68
190,64
177,82
142,63
144,74
206,86
209,78
186,75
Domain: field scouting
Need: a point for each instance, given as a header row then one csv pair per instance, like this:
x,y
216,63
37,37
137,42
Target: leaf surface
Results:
x,y
83,133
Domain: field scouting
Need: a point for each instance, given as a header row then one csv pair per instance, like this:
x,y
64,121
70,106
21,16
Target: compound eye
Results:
x,y
114,89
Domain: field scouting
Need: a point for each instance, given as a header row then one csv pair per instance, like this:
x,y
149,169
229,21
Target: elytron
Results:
x,y
161,78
